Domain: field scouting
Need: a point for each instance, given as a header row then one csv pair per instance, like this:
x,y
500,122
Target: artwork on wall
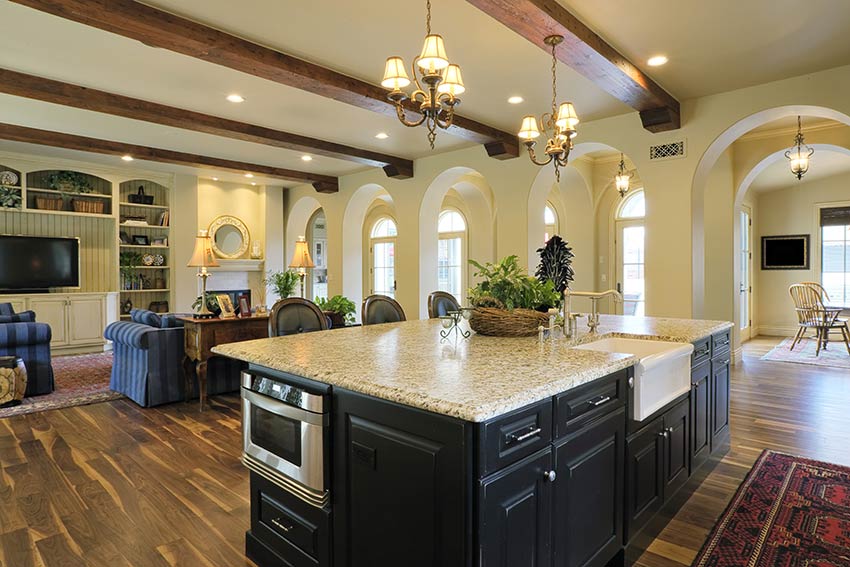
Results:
x,y
787,252
226,305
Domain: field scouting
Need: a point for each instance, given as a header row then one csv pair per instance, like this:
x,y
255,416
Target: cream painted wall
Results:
x,y
791,210
244,201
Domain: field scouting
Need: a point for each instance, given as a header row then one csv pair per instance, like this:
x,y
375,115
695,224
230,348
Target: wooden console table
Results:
x,y
201,335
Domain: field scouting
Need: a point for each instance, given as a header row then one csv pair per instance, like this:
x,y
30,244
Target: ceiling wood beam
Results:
x,y
66,94
161,29
15,133
589,54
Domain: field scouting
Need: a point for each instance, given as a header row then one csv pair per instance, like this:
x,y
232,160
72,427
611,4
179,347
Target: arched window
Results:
x,y
317,236
550,220
631,253
382,248
451,253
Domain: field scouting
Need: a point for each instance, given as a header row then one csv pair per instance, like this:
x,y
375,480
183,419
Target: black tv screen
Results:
x,y
785,252
34,262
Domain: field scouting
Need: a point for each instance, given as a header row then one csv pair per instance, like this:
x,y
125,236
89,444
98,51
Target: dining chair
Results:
x,y
440,303
379,309
813,314
295,315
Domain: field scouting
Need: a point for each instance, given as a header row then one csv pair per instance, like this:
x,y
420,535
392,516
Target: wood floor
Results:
x,y
114,485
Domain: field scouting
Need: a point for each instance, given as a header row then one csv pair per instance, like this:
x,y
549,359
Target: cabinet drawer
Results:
x,y
702,352
721,343
592,400
288,525
509,438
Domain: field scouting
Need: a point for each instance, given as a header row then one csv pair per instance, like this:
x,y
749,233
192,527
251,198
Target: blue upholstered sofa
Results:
x,y
148,361
21,336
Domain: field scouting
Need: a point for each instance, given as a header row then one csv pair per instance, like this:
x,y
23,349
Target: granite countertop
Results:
x,y
474,379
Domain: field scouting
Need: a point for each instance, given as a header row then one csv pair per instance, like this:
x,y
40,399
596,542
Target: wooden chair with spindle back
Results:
x,y
813,314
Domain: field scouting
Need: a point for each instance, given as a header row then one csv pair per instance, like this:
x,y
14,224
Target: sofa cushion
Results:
x,y
146,317
23,317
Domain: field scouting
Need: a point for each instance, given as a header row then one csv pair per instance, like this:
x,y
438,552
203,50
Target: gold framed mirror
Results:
x,y
230,237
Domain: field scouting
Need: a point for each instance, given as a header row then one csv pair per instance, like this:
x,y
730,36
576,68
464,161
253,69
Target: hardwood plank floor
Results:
x,y
115,485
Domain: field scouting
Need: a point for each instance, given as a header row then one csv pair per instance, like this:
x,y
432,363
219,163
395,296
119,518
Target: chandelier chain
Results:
x,y
554,82
428,17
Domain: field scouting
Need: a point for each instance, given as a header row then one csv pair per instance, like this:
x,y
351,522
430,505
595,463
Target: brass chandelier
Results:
x,y
559,125
443,84
799,154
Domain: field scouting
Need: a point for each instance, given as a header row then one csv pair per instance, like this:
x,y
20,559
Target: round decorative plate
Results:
x,y
148,259
8,178
158,260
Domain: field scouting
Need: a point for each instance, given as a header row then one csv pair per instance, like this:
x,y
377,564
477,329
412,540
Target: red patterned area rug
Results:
x,y
789,512
79,380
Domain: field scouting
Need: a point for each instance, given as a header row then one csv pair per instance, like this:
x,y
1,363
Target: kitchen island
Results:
x,y
486,451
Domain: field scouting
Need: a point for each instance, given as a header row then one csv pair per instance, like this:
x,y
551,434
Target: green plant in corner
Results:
x,y
10,197
340,305
505,284
212,303
282,283
69,182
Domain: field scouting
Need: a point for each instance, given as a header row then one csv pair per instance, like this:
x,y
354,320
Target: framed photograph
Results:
x,y
226,306
141,240
787,252
124,237
244,306
160,241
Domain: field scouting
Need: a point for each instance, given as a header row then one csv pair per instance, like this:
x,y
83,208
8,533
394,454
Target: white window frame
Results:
x,y
555,228
463,236
378,240
817,249
621,222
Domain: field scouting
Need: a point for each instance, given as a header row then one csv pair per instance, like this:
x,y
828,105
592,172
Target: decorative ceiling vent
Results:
x,y
667,151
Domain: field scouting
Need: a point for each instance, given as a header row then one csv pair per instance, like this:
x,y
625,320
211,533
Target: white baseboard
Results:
x,y
737,356
776,330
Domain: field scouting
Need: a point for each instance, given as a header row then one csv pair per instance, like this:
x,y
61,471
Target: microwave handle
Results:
x,y
286,410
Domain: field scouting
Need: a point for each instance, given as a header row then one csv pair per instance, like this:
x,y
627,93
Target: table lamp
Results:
x,y
301,260
203,258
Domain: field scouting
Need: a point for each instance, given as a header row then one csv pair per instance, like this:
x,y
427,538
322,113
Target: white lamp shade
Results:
x,y
567,117
433,57
452,81
622,182
301,257
395,77
528,130
203,256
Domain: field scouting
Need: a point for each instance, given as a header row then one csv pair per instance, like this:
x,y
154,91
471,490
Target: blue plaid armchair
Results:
x,y
21,336
148,361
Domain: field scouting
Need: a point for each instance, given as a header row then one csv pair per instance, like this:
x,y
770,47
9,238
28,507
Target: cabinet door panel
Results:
x,y
677,457
644,476
52,311
86,320
700,415
588,510
515,526
719,401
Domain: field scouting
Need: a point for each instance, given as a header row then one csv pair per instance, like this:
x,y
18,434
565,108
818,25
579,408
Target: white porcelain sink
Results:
x,y
662,374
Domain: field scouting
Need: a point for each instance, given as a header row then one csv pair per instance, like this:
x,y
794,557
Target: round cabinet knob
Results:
x,y
550,476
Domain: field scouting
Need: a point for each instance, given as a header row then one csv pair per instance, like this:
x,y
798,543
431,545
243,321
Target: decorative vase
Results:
x,y
256,250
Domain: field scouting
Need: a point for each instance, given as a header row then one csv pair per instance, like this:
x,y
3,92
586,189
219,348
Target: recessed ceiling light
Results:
x,y
215,178
235,97
516,100
306,158
253,183
249,175
382,135
127,158
657,61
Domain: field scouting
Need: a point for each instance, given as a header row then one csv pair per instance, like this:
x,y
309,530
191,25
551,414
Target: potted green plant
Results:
x,y
127,262
69,182
509,302
10,197
212,304
338,308
282,283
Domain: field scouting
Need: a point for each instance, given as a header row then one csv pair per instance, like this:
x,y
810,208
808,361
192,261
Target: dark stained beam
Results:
x,y
12,132
57,92
588,54
164,30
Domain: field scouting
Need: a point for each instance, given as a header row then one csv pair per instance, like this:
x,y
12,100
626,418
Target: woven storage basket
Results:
x,y
88,206
49,203
497,322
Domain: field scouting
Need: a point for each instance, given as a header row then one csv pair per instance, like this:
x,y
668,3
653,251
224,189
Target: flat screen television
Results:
x,y
36,263
785,252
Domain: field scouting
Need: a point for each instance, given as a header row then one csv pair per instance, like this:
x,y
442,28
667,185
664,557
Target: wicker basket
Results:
x,y
88,206
497,322
49,203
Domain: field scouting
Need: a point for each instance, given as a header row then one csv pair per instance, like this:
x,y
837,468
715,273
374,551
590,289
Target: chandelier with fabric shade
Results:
x,y
443,84
799,154
559,125
203,258
302,261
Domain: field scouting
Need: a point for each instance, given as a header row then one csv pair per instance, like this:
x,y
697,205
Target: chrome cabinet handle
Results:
x,y
520,438
599,401
549,476
664,434
278,523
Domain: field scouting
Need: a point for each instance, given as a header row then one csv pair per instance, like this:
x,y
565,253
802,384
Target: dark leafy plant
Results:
x,y
340,305
69,182
212,303
556,259
10,197
283,283
506,284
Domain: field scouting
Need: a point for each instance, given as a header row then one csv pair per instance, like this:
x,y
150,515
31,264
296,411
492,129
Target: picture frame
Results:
x,y
141,240
159,241
785,252
123,237
226,305
244,306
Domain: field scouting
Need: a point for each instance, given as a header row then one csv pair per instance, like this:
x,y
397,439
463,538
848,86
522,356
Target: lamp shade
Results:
x,y
452,81
433,57
395,77
528,130
203,256
567,117
301,257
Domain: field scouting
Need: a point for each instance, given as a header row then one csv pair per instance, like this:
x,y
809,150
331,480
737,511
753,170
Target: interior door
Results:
x,y
745,286
630,267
